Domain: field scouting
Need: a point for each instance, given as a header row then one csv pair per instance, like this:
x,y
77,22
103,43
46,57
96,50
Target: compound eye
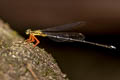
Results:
x,y
28,31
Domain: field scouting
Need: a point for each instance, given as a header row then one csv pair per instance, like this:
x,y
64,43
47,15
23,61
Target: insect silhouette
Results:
x,y
59,34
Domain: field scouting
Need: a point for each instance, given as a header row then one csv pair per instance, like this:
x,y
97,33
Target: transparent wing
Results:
x,y
65,36
66,26
70,37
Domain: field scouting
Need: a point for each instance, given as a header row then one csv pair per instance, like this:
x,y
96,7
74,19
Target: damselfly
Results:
x,y
58,34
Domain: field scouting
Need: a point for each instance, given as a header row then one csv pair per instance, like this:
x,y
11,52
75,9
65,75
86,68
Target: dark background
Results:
x,y
80,61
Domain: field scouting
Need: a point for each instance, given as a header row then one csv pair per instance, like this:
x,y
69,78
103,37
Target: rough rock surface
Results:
x,y
20,61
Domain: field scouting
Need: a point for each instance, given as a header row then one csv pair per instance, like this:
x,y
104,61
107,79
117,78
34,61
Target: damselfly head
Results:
x,y
28,31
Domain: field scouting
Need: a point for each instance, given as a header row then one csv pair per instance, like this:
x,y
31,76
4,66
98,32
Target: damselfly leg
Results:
x,y
32,38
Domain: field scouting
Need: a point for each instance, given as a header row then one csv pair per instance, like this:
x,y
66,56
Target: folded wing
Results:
x,y
65,36
66,27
